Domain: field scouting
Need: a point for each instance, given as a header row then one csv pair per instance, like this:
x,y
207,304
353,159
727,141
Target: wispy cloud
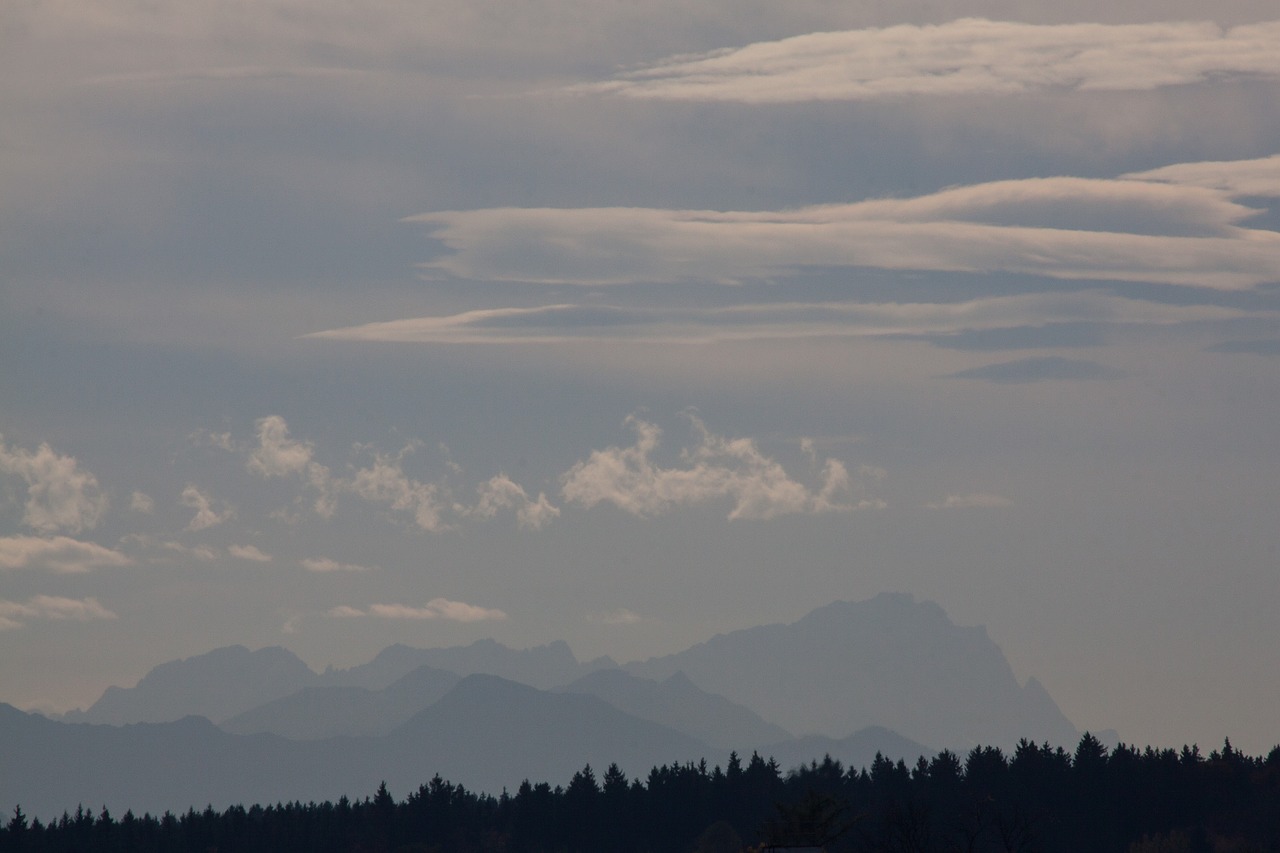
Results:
x,y
971,56
14,614
278,455
57,554
436,608
142,502
384,481
717,468
620,616
503,493
972,500
206,515
558,324
199,552
248,552
1236,178
1123,229
60,495
1040,369
325,564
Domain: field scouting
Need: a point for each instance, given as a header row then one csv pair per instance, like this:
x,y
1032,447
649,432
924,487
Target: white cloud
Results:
x,y
142,502
621,616
206,516
14,614
60,495
58,554
558,324
279,455
971,56
344,611
248,552
1236,178
1062,227
716,468
385,482
436,608
200,552
980,500
503,493
324,564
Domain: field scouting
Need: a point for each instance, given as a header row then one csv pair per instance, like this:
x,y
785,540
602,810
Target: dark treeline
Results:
x,y
1036,799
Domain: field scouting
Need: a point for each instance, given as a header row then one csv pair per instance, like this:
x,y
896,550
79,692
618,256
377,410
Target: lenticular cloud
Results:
x,y
970,56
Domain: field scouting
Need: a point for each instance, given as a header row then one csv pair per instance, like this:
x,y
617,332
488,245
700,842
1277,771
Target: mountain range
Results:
x,y
887,675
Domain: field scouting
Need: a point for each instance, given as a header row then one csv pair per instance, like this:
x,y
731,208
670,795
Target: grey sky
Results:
x,y
335,326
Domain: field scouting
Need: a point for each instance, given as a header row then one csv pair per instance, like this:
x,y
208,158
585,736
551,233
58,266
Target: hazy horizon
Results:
x,y
332,327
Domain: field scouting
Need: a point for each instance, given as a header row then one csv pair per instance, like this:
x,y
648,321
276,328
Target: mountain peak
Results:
x,y
889,660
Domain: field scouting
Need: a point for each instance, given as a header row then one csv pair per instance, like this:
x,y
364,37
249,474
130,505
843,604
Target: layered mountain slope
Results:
x,y
320,712
486,733
680,704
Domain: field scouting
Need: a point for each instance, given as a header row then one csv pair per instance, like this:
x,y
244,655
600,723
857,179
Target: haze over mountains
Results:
x,y
889,674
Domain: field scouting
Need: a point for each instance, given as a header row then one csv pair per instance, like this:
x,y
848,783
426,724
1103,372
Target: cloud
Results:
x,y
248,552
14,614
621,616
1236,178
58,554
142,502
1263,346
436,608
716,468
279,455
220,440
385,482
1058,227
200,552
970,56
558,324
1039,370
60,495
502,493
980,500
206,516
324,564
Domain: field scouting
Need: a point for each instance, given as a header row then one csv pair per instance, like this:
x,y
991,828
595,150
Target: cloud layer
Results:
x,y
1152,228
971,56
59,554
14,614
558,324
436,608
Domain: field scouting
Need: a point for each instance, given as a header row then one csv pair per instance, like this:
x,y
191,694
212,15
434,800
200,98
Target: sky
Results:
x,y
334,325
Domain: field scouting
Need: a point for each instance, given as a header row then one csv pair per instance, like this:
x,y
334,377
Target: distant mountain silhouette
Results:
x,y
231,681
51,767
489,732
541,666
217,685
679,703
888,661
856,751
314,713
486,733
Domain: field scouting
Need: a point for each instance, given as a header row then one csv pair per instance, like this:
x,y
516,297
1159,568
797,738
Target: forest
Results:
x,y
1038,798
